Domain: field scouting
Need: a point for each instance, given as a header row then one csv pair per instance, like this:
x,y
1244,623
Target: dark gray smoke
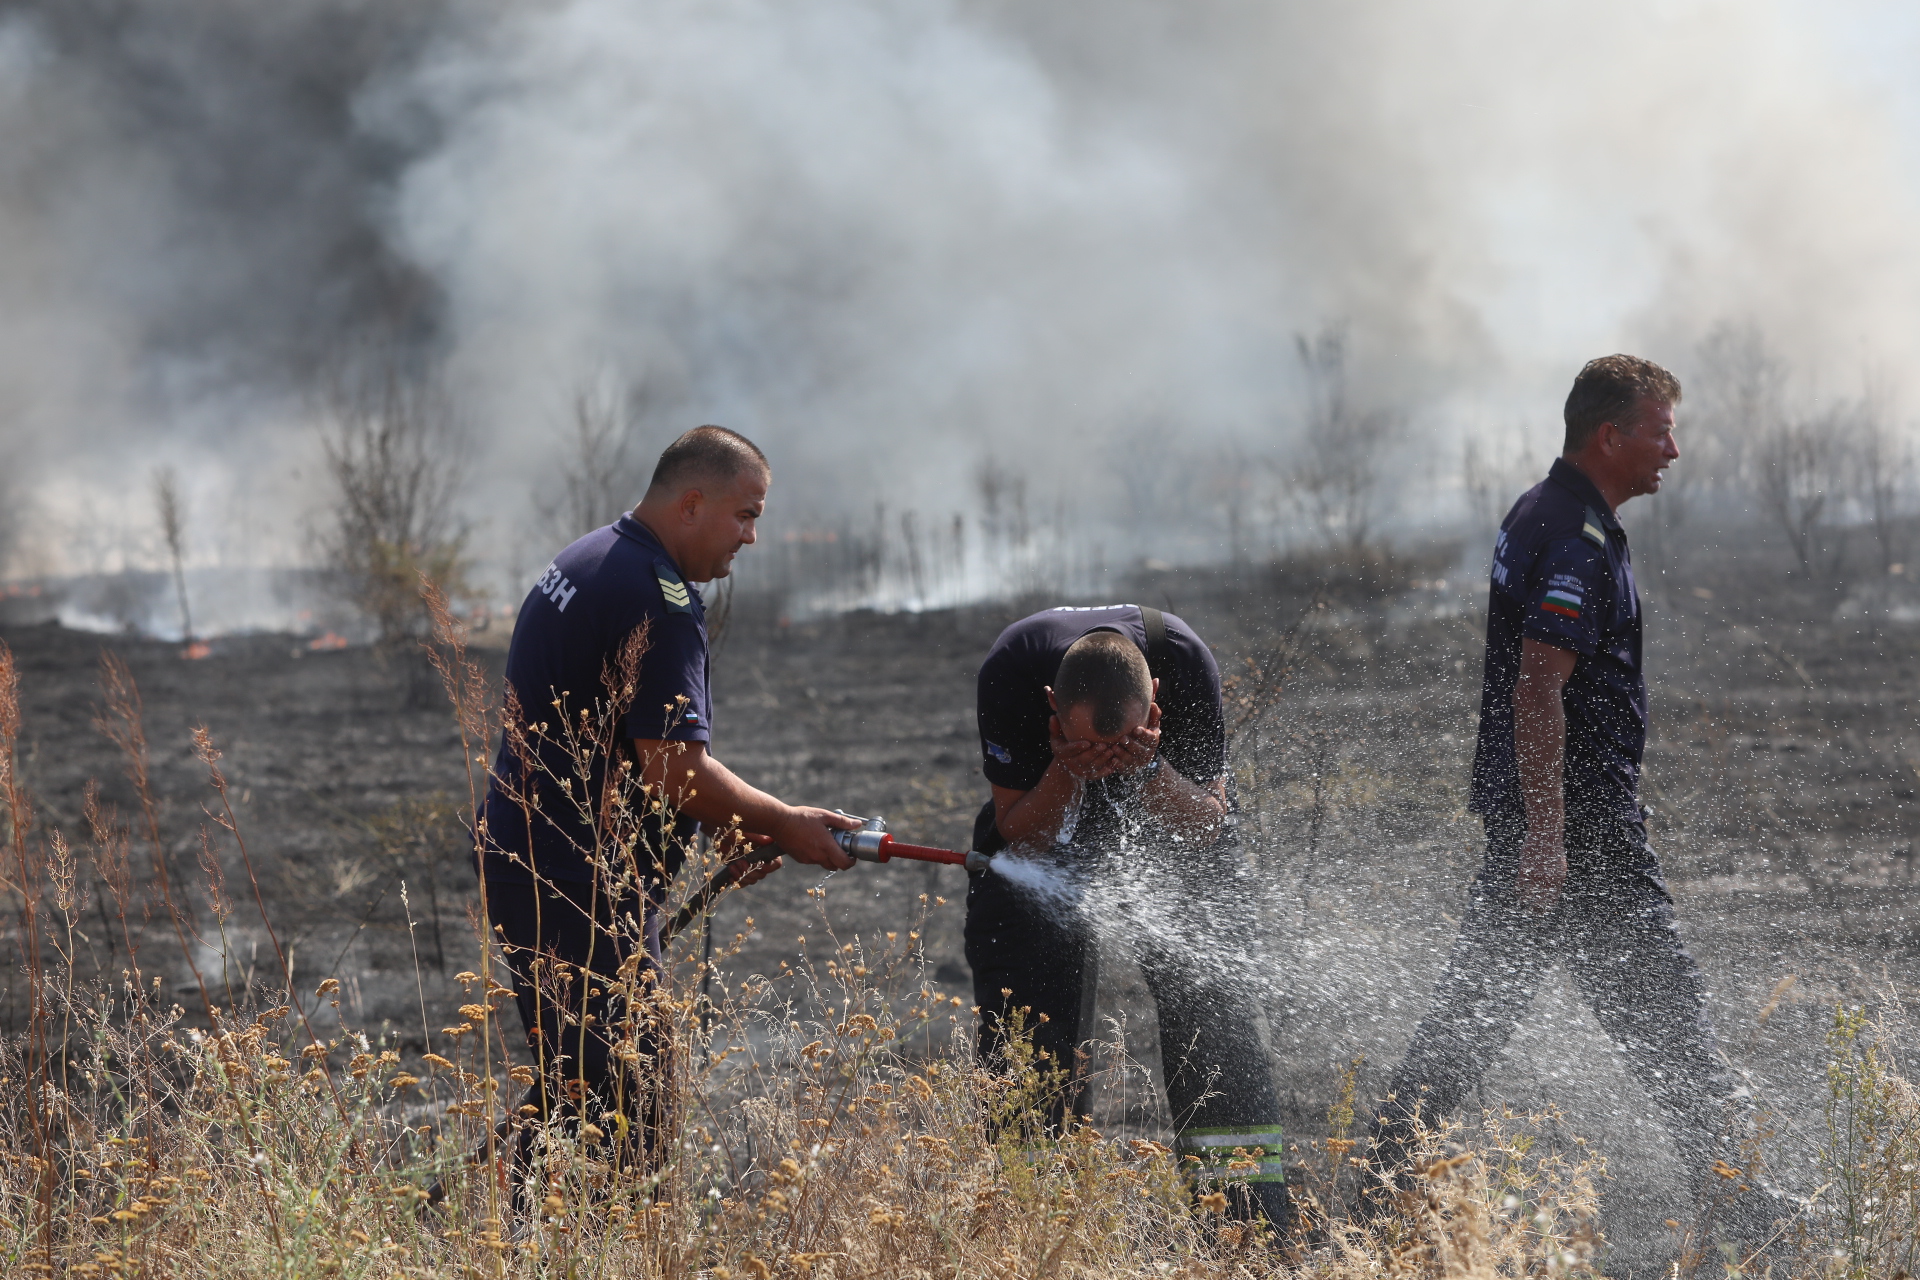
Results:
x,y
891,239
190,232
196,173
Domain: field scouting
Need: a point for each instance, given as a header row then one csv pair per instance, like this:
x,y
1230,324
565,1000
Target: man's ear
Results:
x,y
1155,696
1053,704
690,502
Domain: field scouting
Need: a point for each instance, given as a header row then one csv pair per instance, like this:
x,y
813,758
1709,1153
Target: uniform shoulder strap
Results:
x,y
1593,528
1159,652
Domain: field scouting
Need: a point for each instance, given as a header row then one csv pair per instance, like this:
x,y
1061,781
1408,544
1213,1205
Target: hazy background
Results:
x,y
894,242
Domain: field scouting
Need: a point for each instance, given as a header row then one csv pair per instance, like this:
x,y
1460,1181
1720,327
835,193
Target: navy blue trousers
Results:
x,y
1613,929
564,944
1199,960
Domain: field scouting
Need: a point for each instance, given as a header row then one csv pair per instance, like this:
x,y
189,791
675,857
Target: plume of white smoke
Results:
x,y
887,239
188,238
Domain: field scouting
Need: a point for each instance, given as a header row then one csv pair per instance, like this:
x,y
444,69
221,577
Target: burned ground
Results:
x,y
1782,772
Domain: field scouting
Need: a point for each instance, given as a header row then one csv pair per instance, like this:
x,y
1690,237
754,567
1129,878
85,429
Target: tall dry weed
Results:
x,y
1868,1213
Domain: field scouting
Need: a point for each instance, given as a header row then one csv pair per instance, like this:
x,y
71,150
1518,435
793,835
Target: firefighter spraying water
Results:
x,y
535,850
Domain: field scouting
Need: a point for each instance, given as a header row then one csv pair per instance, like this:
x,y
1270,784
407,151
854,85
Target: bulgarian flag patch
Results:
x,y
1563,602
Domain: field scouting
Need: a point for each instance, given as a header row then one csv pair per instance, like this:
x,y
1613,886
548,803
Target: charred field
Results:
x,y
1782,770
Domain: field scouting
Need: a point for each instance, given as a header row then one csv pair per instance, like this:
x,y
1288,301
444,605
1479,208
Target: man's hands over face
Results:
x,y
1087,760
1139,747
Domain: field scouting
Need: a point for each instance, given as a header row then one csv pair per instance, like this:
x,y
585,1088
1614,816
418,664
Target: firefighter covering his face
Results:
x,y
1103,737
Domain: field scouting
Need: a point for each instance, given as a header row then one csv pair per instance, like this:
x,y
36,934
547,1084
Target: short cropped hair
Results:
x,y
1105,671
1610,389
711,455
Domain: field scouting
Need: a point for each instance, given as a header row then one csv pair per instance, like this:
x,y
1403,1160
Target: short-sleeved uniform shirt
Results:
x,y
568,633
1562,576
1013,712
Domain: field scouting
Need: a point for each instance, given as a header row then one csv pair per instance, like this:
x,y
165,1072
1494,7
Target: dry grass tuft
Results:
x,y
1867,1222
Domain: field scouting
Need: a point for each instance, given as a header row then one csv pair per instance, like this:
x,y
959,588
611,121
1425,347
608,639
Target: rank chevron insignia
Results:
x,y
672,590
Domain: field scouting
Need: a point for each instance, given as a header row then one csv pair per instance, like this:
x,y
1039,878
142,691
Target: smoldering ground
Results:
x,y
1779,769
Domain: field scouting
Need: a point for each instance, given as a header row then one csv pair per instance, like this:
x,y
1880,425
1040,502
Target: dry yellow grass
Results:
x,y
829,1124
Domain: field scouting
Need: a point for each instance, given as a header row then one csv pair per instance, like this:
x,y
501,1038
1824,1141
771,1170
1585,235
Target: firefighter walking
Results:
x,y
1569,875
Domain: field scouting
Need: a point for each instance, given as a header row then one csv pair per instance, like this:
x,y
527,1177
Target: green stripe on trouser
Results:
x,y
1256,1149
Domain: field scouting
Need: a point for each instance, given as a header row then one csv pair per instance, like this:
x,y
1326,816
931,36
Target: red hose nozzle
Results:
x,y
871,843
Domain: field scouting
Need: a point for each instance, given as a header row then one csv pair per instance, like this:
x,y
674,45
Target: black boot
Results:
x,y
1274,1202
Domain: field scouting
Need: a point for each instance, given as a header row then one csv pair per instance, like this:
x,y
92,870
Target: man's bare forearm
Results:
x,y
1184,806
692,781
1540,745
1540,737
704,789
1034,817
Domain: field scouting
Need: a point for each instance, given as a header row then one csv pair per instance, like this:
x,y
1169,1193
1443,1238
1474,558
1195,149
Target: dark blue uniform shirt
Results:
x,y
1562,576
567,635
1018,670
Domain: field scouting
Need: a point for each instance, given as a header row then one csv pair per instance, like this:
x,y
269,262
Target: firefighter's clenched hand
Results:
x,y
806,835
1543,870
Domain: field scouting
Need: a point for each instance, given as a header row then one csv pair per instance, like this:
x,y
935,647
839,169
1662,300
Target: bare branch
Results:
x,y
1884,483
1800,470
1337,476
1491,485
601,472
172,510
391,454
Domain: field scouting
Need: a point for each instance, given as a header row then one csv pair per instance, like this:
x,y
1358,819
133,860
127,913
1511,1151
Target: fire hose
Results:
x,y
871,843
